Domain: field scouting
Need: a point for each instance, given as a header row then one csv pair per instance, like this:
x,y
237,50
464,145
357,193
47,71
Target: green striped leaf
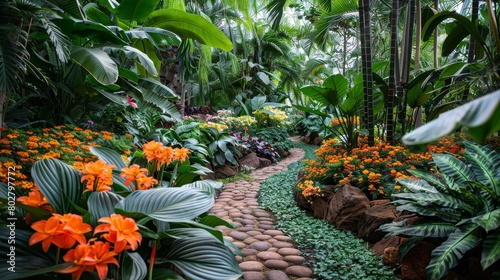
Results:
x,y
203,258
102,204
489,221
166,204
485,163
447,255
454,168
417,185
491,249
58,182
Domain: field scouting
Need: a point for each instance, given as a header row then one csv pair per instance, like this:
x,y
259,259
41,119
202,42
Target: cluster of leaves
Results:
x,y
459,207
278,137
260,147
334,254
373,170
190,110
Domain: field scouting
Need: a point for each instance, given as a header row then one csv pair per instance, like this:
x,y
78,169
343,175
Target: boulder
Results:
x,y
263,162
319,206
373,218
301,201
391,241
317,141
250,160
225,171
345,208
390,256
416,260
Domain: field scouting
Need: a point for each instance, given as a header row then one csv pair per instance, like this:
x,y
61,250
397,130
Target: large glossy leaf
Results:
x,y
489,221
454,168
466,24
449,215
201,185
163,273
203,258
429,178
158,36
434,200
417,185
166,204
491,249
135,10
94,14
109,156
480,116
133,267
192,26
431,229
178,233
102,204
321,95
97,63
134,54
447,255
338,83
485,162
58,182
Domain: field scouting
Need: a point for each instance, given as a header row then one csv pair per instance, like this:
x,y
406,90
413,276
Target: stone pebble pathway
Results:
x,y
268,254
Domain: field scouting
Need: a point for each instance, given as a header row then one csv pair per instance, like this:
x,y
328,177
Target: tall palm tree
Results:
x,y
366,62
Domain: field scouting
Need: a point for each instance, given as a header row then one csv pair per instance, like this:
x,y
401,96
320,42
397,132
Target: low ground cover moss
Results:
x,y
333,254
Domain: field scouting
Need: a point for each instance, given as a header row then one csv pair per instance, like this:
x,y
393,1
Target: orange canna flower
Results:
x,y
62,231
157,153
87,257
181,154
130,173
99,176
123,232
35,198
144,182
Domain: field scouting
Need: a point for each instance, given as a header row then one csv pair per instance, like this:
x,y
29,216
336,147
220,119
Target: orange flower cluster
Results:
x,y
159,154
64,231
372,169
309,190
23,148
139,176
99,176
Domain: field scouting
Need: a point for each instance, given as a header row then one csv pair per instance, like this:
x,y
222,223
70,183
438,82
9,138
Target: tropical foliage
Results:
x,y
116,219
459,205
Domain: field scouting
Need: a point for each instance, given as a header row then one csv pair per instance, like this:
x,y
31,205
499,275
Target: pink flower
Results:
x,y
131,102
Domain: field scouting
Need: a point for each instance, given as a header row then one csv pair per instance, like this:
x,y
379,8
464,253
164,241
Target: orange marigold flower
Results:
x,y
90,257
62,231
99,176
123,232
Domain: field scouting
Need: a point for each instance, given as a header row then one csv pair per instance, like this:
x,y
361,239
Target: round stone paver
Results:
x,y
267,252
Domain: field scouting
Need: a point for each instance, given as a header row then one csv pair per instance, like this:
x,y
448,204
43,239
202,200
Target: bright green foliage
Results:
x,y
460,206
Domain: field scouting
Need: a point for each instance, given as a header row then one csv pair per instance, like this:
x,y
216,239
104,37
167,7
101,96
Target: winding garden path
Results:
x,y
268,254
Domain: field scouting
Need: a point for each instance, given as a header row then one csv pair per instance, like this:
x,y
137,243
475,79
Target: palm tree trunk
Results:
x,y
472,44
393,65
406,50
366,61
436,33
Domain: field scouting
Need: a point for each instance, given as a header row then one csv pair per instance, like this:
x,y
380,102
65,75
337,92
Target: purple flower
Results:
x,y
90,122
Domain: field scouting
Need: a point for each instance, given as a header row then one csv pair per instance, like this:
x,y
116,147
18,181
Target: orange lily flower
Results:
x,y
132,172
123,232
35,198
86,257
99,176
62,231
